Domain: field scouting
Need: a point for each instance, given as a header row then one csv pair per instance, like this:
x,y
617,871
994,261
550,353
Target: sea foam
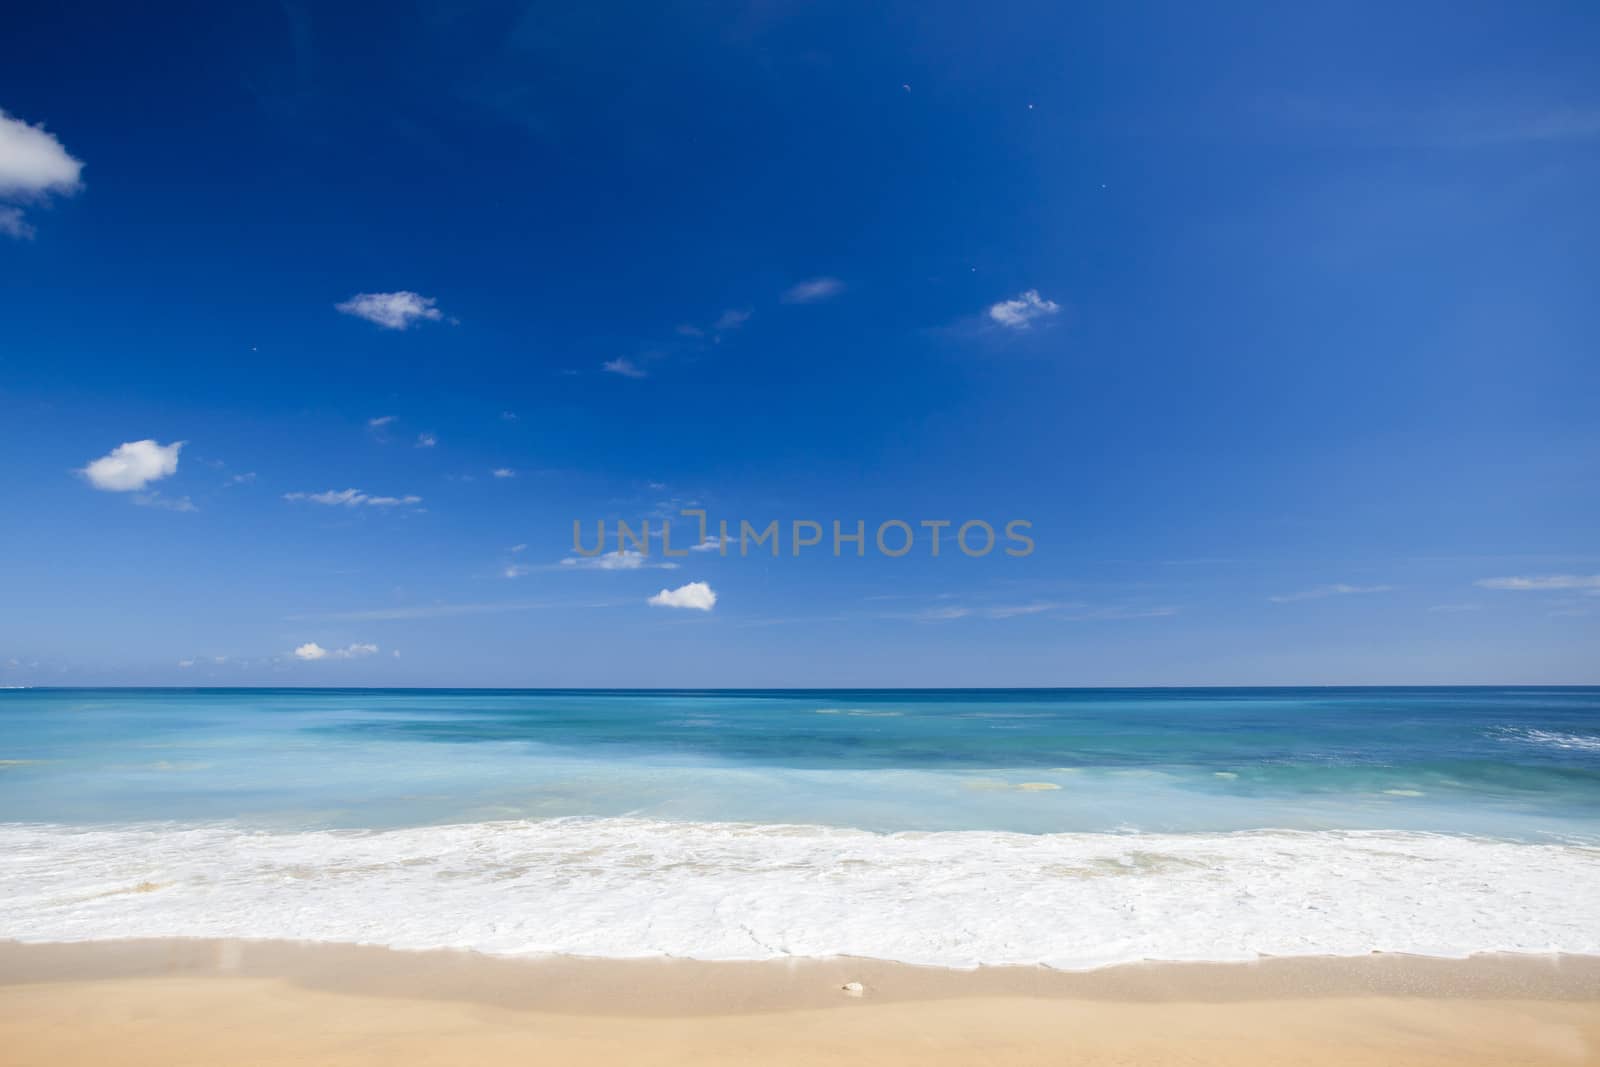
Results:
x,y
625,887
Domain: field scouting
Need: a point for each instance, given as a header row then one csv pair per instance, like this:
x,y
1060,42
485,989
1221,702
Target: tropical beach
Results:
x,y
899,875
762,532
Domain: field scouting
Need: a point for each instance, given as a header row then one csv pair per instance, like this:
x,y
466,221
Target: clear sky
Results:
x,y
1278,324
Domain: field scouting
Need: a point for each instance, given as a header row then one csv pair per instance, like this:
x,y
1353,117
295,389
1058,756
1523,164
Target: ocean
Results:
x,y
1071,828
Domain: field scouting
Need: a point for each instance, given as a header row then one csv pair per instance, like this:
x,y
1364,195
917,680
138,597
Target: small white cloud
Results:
x,y
519,548
623,366
33,166
1327,590
1543,582
241,479
352,498
812,290
696,595
166,503
509,416
1011,611
392,311
313,651
628,560
12,224
732,319
380,422
1018,314
517,570
426,440
504,472
186,663
133,465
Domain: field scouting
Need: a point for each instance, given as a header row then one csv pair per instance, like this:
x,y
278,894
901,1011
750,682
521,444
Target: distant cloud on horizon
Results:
x,y
1587,582
311,651
1321,591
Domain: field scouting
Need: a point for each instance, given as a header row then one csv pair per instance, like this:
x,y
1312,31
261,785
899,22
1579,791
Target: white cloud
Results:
x,y
696,595
33,162
1011,611
504,472
508,416
352,498
1019,313
628,560
33,166
517,570
380,422
166,503
812,290
133,465
623,366
12,224
1542,582
732,319
426,440
392,311
519,548
313,651
1327,590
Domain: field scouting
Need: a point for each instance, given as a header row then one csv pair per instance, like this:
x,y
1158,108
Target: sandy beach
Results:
x,y
166,1002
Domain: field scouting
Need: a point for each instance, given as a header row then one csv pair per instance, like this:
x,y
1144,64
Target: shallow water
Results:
x,y
1518,763
1071,828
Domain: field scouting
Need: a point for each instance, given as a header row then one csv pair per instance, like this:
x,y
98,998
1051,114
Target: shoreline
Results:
x,y
267,1002
595,985
623,888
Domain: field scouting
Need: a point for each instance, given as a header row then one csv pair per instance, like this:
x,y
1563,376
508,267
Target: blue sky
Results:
x,y
1304,391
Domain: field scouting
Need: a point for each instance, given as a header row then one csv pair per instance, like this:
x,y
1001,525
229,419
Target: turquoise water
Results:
x,y
1069,828
1517,763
